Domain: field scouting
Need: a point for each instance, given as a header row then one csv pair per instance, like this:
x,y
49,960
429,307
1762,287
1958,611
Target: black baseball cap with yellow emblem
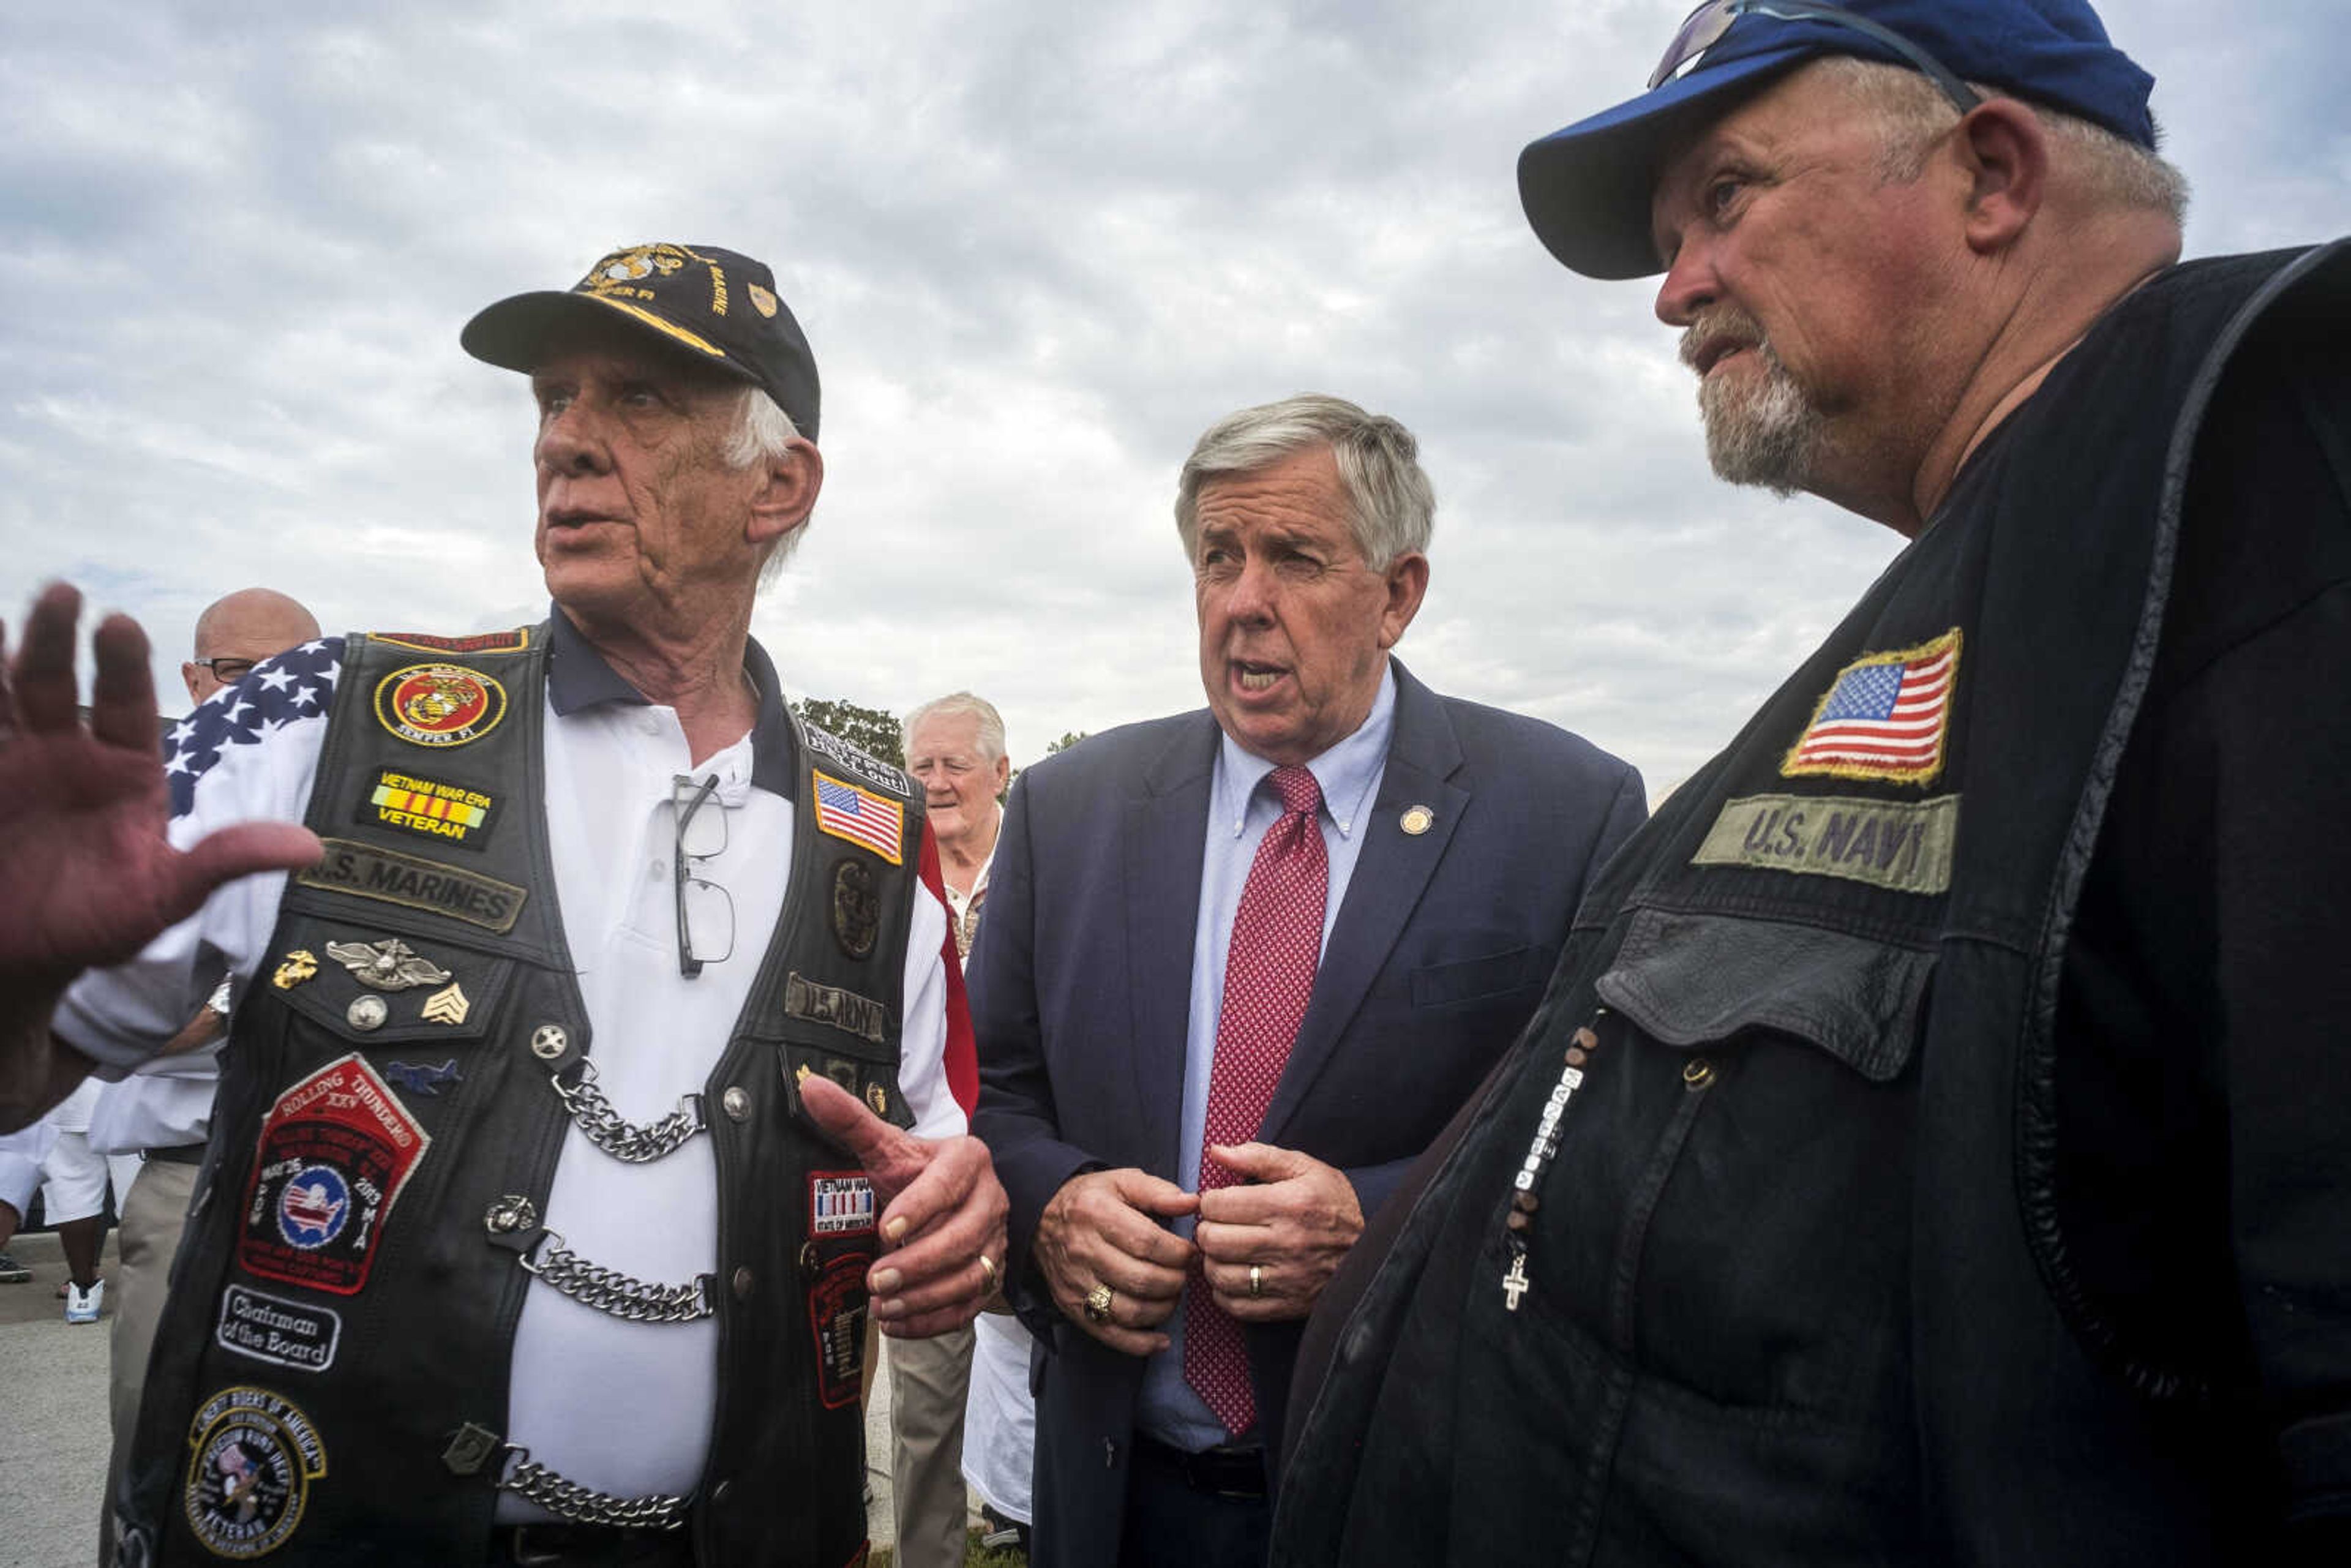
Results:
x,y
717,307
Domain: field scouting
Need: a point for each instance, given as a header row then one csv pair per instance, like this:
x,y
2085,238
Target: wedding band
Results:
x,y
1098,1304
988,1267
1257,1281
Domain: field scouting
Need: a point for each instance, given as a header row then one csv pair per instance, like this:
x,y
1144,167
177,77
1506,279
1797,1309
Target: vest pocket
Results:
x,y
377,987
1691,979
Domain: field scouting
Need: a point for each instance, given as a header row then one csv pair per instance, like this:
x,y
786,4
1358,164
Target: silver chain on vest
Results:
x,y
583,1505
609,1291
624,1140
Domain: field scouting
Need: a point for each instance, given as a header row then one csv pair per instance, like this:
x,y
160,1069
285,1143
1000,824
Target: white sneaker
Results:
x,y
81,1306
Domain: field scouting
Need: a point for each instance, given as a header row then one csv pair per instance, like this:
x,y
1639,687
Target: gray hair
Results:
x,y
958,705
763,431
1911,112
1392,507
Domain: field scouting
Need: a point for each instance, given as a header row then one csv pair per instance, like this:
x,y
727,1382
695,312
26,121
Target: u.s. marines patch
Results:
x,y
253,1455
439,705
1884,716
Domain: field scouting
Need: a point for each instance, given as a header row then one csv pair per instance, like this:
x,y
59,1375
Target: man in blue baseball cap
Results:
x,y
1931,1148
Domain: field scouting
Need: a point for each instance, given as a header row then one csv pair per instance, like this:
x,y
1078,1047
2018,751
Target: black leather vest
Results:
x,y
1788,1285
329,1381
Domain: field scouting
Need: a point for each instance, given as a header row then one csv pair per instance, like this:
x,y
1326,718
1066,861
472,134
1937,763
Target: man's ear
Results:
x,y
188,679
2005,150
787,493
1407,583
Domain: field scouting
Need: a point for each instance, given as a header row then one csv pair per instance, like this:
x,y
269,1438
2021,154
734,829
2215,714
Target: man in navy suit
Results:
x,y
1456,840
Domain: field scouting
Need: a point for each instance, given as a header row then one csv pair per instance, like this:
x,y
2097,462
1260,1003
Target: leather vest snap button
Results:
x,y
742,1282
1697,1073
509,1213
367,1012
549,1042
738,1101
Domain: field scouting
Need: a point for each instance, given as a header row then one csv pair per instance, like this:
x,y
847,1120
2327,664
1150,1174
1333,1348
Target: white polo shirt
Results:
x,y
619,1407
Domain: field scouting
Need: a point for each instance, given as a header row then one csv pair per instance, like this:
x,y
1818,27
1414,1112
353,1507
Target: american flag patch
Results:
x,y
860,816
1884,716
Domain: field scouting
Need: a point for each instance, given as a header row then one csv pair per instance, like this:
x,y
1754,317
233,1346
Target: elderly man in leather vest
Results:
x,y
579,1071
1931,1148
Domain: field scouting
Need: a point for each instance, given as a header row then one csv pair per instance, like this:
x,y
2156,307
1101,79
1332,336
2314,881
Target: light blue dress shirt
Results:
x,y
1239,812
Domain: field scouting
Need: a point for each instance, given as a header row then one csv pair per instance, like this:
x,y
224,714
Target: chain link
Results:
x,y
582,1505
611,1292
624,1140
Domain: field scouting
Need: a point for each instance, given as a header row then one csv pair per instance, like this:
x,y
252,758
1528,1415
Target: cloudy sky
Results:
x,y
1036,246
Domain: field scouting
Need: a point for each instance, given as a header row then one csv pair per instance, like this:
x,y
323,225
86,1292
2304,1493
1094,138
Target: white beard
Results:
x,y
1767,435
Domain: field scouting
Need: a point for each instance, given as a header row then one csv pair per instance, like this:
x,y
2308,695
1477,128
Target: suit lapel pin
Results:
x,y
1415,820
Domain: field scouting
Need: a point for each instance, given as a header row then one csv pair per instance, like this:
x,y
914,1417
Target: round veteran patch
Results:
x,y
439,705
252,1458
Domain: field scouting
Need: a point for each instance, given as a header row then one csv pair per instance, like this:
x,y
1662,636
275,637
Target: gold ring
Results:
x,y
1098,1304
1257,1281
988,1267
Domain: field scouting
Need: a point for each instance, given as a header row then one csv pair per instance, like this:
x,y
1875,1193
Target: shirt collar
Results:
x,y
1346,772
577,677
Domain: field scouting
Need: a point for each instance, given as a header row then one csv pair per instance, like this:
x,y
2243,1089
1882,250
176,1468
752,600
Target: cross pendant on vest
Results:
x,y
1270,965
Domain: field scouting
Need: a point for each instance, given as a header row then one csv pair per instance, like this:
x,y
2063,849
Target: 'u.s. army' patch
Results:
x,y
439,705
430,807
1884,716
253,1456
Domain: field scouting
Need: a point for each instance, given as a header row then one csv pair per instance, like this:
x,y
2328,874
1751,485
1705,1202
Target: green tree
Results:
x,y
1069,737
869,729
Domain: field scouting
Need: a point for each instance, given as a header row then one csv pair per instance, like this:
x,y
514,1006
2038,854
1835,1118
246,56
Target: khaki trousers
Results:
x,y
928,1380
154,1213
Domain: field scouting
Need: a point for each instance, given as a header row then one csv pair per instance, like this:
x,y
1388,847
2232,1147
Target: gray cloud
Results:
x,y
1036,246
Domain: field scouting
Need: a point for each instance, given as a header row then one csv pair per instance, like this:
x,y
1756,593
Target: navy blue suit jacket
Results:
x,y
1080,996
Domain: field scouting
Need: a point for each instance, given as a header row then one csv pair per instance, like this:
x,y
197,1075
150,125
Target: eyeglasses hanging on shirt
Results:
x,y
705,912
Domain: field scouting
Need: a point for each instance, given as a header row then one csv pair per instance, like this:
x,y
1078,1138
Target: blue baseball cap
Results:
x,y
1586,189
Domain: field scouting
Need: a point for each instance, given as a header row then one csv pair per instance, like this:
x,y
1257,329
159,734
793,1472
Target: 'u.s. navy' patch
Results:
x,y
432,808
1884,716
252,1458
336,1150
841,1203
1904,845
439,705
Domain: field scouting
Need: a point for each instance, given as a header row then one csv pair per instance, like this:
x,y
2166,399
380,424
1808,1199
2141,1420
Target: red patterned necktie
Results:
x,y
1268,975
